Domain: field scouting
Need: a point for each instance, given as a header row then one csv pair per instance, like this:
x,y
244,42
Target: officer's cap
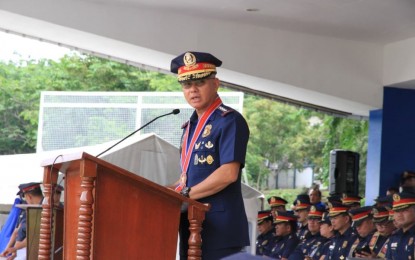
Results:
x,y
360,214
384,201
193,65
403,200
282,216
264,215
336,209
350,199
302,202
315,212
275,201
26,187
380,214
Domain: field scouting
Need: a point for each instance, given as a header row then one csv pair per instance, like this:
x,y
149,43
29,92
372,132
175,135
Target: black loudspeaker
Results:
x,y
344,172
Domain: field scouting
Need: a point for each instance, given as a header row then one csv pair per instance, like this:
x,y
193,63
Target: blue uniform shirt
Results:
x,y
401,245
308,247
223,140
285,246
340,247
265,243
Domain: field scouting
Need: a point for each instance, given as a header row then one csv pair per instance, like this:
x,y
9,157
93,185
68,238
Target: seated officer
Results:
x,y
365,228
32,194
326,231
352,201
277,204
344,238
285,228
401,244
385,228
265,239
308,247
301,208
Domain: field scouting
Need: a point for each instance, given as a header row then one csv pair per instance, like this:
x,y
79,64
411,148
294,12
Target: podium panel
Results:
x,y
111,213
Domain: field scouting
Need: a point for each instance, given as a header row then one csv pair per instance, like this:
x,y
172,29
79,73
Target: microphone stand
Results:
x,y
175,111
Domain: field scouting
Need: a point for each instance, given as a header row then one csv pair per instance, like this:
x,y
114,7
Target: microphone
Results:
x,y
174,112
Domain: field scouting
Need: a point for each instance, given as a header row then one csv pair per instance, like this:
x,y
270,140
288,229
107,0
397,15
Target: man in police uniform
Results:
x,y
401,244
326,231
301,208
308,247
32,194
385,227
266,229
213,153
285,230
365,228
344,238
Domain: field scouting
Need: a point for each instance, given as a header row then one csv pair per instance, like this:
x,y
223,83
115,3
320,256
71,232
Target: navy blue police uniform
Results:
x,y
401,243
223,140
265,241
309,246
341,243
302,203
285,244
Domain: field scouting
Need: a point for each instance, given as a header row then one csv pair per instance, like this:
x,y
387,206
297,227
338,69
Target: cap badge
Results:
x,y
189,59
396,197
206,131
273,199
313,209
375,212
330,205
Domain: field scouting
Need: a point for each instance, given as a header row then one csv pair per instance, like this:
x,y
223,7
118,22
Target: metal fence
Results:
x,y
76,119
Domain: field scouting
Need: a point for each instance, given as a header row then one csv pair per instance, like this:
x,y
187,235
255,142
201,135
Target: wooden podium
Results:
x,y
111,213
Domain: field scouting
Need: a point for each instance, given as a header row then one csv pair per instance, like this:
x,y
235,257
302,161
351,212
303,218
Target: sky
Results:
x,y
14,47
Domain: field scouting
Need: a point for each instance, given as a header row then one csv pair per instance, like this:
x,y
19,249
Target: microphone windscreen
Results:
x,y
176,111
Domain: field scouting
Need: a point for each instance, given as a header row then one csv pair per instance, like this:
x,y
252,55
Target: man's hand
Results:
x,y
9,252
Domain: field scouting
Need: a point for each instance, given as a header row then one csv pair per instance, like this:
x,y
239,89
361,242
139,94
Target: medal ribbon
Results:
x,y
188,150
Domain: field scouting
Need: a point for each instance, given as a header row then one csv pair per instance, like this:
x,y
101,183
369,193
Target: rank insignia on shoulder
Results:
x,y
206,131
209,145
225,111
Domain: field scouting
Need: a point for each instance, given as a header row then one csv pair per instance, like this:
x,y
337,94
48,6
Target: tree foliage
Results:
x,y
282,135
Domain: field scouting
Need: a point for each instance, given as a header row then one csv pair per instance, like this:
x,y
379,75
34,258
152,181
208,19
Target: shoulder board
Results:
x,y
225,110
185,125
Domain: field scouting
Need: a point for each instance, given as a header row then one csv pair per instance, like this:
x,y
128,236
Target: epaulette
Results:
x,y
225,110
185,125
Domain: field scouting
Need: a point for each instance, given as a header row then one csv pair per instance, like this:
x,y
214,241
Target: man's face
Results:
x,y
326,230
313,225
282,229
385,228
405,218
302,215
365,228
339,222
200,93
264,227
314,196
